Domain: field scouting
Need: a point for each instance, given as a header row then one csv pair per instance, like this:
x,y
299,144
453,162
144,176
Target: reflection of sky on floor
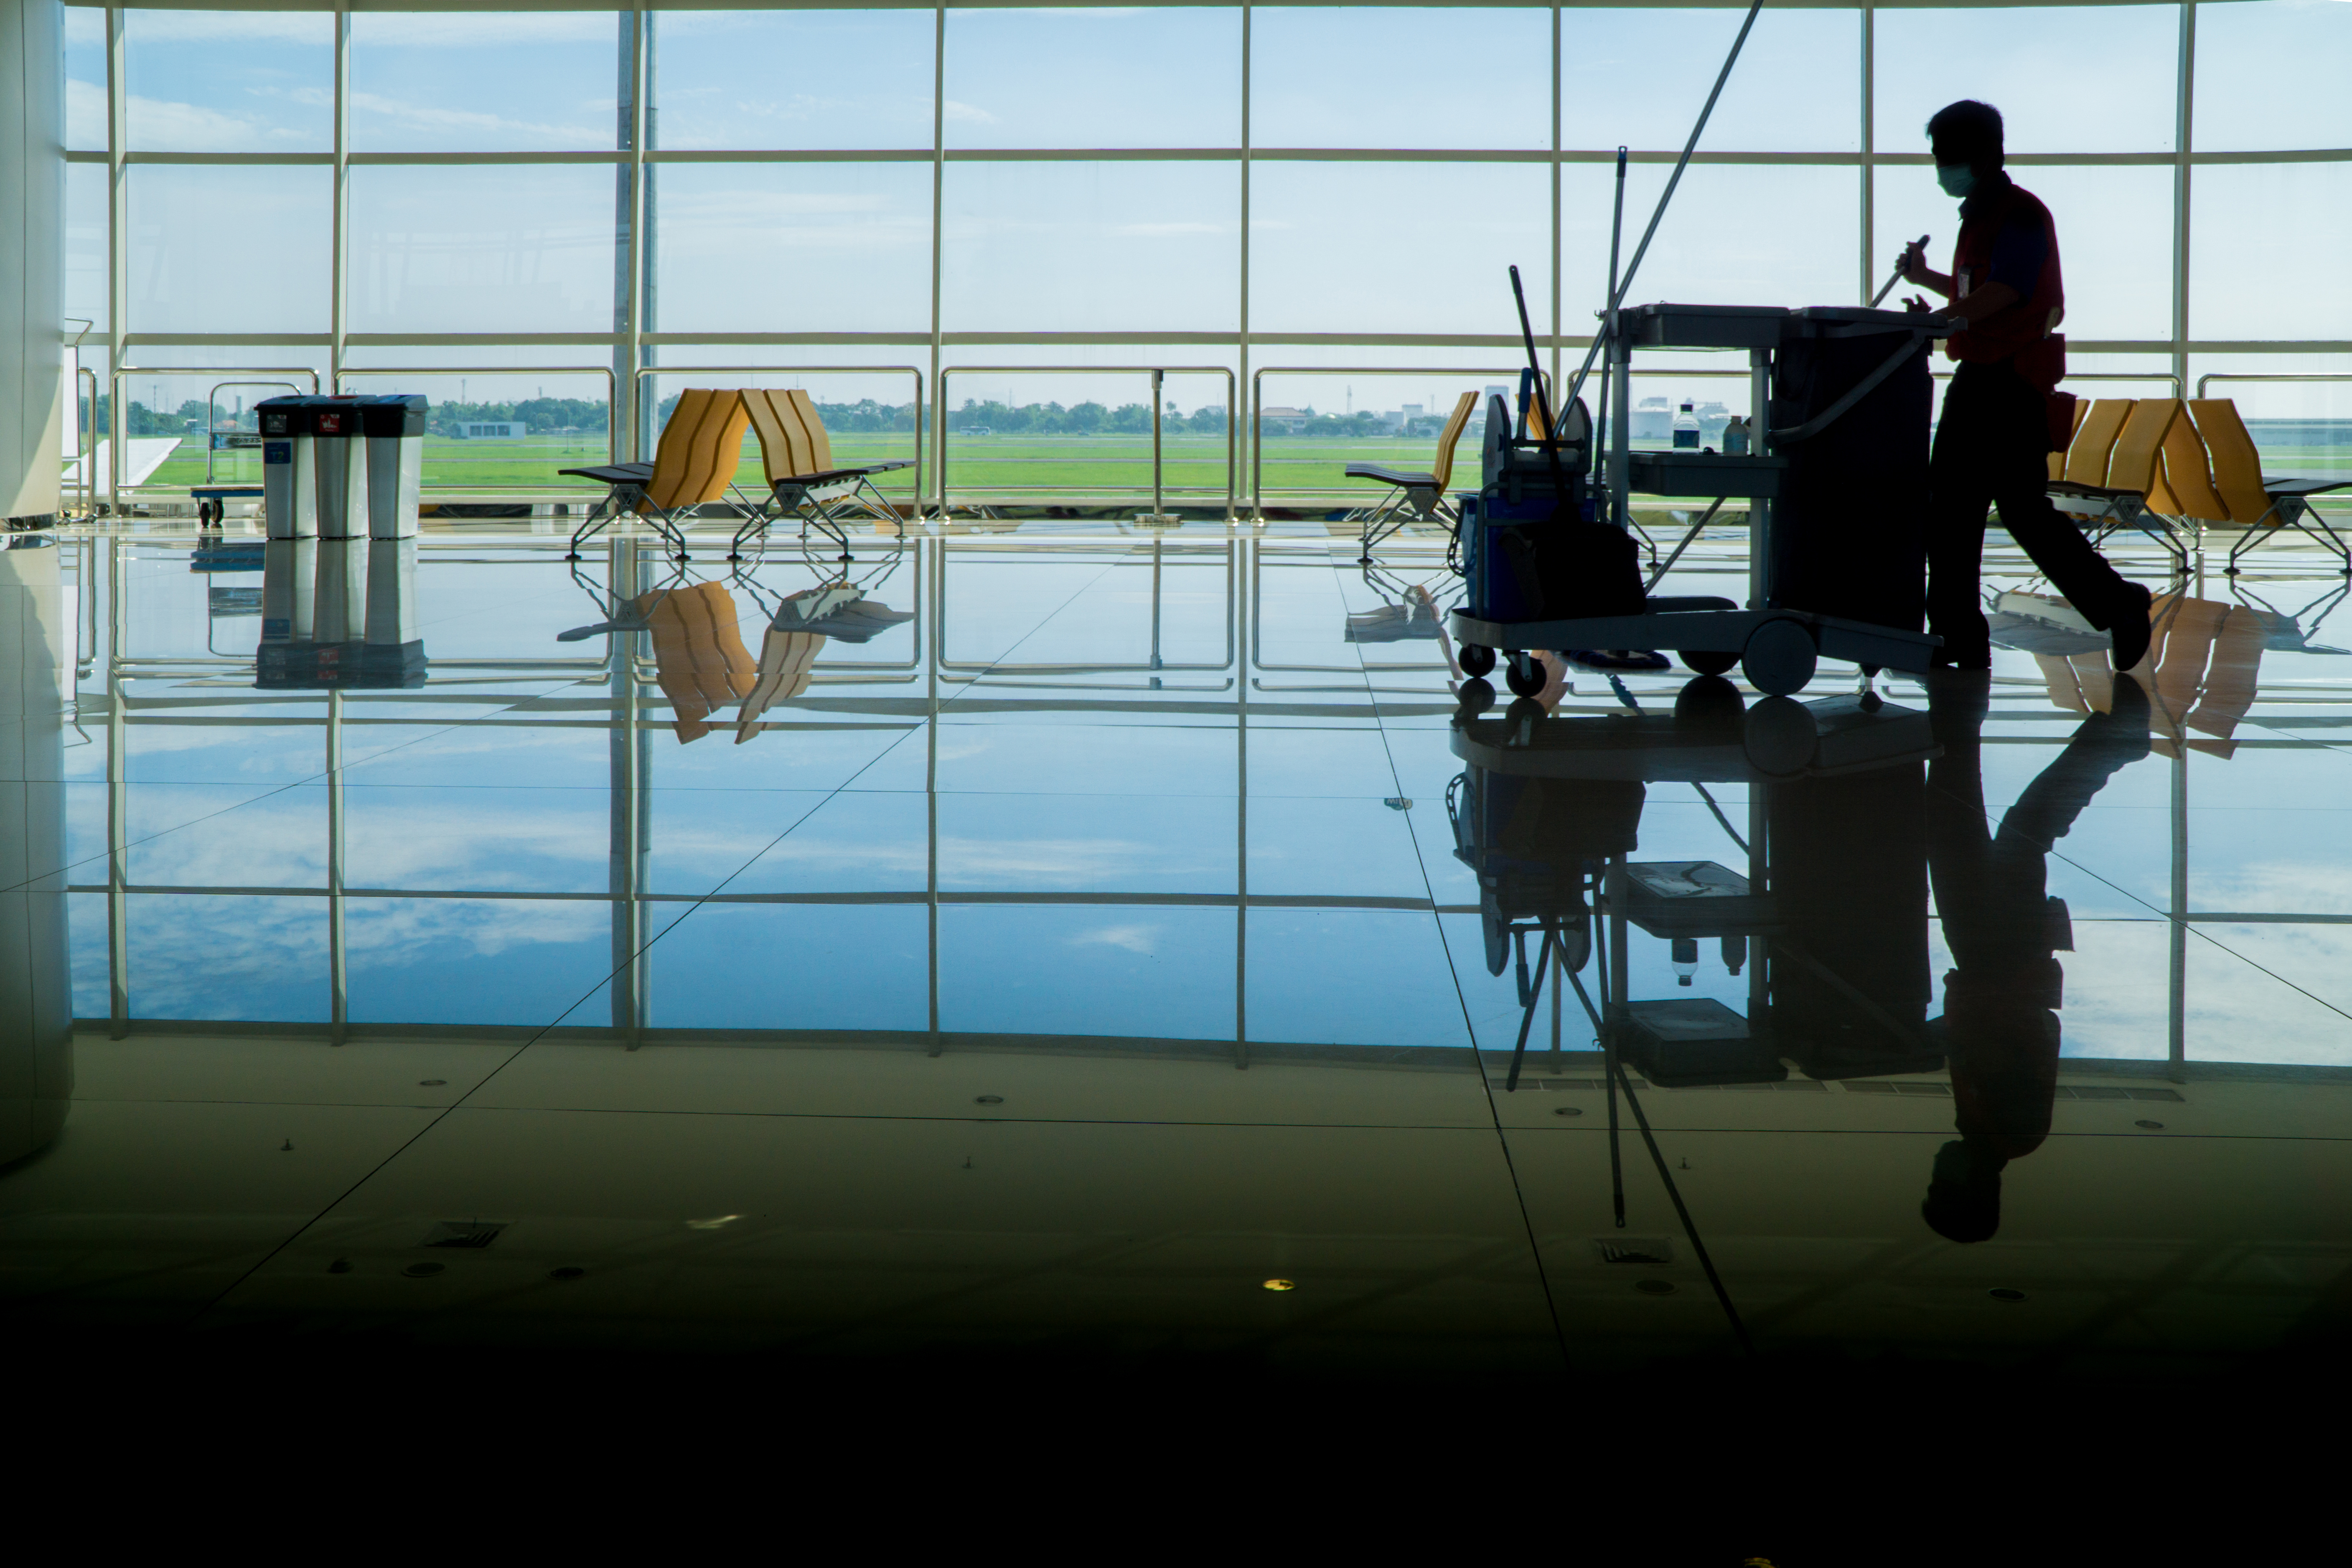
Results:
x,y
1085,820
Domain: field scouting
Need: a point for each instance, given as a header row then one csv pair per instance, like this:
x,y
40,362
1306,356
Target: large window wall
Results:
x,y
544,204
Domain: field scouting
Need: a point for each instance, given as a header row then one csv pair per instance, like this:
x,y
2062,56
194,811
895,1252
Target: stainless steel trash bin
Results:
x,y
396,463
339,458
289,491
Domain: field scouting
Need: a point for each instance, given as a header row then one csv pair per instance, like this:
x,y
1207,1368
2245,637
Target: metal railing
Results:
x,y
1156,372
612,396
213,432
916,502
115,486
1257,405
2211,376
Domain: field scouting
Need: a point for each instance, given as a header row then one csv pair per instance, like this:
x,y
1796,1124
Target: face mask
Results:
x,y
1958,179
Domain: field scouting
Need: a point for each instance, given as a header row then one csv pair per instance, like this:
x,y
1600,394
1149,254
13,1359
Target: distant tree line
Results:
x,y
1080,420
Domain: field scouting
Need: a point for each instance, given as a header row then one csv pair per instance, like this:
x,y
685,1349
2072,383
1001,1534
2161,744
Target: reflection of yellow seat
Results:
x,y
796,456
2131,493
787,660
1412,496
2204,660
699,653
2258,504
693,465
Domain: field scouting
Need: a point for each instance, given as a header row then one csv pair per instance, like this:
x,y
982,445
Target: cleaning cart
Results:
x,y
1836,486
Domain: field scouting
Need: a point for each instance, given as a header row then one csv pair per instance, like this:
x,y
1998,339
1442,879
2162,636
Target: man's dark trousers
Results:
x,y
1992,448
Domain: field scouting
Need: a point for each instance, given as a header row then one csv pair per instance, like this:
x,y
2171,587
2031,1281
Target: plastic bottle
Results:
x,y
1735,436
1685,959
1686,428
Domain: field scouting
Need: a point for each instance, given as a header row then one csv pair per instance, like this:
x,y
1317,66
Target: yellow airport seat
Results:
x,y
1412,496
2094,441
796,458
2260,504
694,463
2132,493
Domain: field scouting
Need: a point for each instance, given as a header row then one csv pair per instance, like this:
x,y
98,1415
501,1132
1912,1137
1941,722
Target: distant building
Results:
x,y
1653,420
490,429
1288,421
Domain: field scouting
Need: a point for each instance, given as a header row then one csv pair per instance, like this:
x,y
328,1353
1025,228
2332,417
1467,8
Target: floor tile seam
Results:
x,y
2162,915
1269,1124
1486,1085
2196,929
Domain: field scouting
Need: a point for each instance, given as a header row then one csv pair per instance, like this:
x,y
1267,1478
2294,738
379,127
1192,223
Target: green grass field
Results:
x,y
1039,468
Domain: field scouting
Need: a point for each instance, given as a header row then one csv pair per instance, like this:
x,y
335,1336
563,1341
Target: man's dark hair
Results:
x,y
1969,131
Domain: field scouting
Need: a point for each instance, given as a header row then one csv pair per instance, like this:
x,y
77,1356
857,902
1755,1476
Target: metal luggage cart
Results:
x,y
1776,647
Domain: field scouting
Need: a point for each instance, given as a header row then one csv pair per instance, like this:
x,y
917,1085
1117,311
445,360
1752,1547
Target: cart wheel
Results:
x,y
1476,659
1476,697
1780,657
1524,675
1780,737
1710,662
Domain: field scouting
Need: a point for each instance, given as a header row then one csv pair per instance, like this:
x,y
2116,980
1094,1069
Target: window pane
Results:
x,y
492,82
2242,214
516,249
1399,77
2072,79
1736,234
229,81
841,247
2269,73
85,79
1120,78
86,245
2114,235
1318,262
719,85
1640,78
1109,247
272,280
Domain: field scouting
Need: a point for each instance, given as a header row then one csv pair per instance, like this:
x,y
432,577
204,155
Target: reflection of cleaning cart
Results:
x,y
1546,811
1837,563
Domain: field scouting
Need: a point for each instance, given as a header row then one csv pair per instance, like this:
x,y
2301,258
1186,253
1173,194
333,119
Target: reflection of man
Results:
x,y
2001,997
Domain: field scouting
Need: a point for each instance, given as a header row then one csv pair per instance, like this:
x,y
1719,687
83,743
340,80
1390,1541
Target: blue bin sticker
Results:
x,y
277,451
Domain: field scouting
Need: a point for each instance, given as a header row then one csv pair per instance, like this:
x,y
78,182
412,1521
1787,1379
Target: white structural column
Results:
x,y
36,987
32,256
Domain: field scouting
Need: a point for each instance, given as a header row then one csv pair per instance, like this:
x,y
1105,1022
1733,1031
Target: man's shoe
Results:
x,y
2129,626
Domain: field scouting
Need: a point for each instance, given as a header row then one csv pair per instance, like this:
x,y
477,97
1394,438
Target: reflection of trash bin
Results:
x,y
289,494
394,655
396,463
288,573
341,611
339,455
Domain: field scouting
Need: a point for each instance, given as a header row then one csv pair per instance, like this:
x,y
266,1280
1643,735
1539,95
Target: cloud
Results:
x,y
163,125
1135,938
968,113
486,127
1162,230
474,30
142,27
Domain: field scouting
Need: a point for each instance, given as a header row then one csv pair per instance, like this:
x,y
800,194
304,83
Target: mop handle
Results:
x,y
1897,277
